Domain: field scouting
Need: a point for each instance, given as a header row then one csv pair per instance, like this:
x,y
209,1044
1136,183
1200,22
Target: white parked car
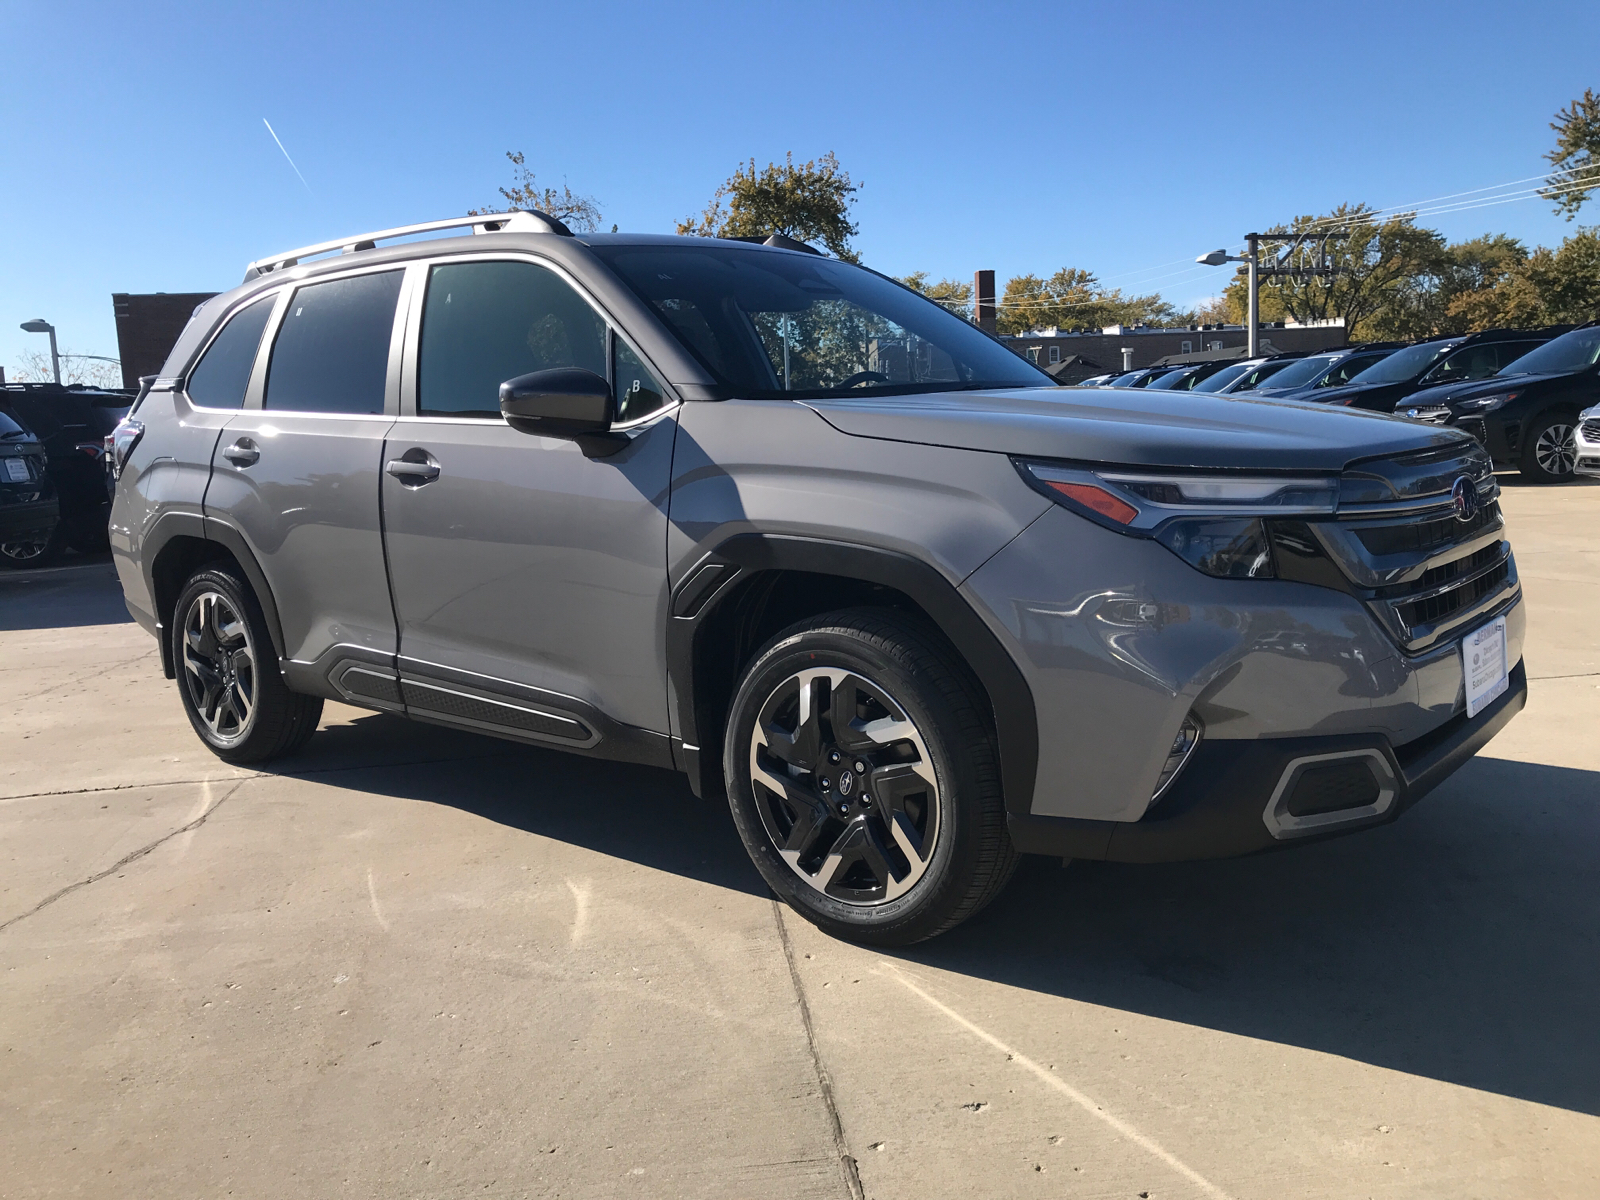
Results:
x,y
1587,436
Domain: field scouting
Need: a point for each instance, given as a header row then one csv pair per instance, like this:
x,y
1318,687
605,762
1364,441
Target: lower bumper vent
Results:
x,y
1324,790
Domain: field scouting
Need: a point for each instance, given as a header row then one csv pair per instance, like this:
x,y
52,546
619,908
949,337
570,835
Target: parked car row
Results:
x,y
1521,393
54,489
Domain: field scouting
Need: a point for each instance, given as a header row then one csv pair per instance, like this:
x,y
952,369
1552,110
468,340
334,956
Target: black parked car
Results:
x,y
1143,377
1330,369
1525,415
1184,378
28,508
72,422
1388,382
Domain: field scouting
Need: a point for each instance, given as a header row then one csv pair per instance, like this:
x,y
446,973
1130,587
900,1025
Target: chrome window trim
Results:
x,y
1284,825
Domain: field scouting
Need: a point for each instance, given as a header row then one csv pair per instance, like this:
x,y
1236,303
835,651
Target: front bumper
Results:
x,y
1222,804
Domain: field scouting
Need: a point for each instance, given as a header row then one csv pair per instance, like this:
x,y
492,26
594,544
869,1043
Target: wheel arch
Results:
x,y
182,543
752,585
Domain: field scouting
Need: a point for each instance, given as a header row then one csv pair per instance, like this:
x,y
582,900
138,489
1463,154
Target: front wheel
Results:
x,y
1550,449
864,781
228,676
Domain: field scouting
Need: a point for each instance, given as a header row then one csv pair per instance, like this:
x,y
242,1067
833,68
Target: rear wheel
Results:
x,y
228,678
864,781
1550,449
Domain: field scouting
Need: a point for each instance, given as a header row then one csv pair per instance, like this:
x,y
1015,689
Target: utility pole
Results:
x,y
1253,262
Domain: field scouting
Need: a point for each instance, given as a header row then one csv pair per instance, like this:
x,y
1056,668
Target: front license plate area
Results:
x,y
1484,666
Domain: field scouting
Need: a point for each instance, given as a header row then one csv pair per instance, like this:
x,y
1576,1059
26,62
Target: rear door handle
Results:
x,y
413,473
243,453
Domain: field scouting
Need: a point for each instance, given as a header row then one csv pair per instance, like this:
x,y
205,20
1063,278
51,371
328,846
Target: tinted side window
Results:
x,y
1509,352
486,322
223,373
638,392
1475,362
332,351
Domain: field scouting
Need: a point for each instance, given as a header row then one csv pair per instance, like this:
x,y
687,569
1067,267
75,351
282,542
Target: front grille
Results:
x,y
1423,536
1476,427
1430,610
1591,429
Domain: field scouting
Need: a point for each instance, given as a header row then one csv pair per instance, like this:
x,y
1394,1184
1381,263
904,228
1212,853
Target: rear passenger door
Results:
x,y
296,471
529,580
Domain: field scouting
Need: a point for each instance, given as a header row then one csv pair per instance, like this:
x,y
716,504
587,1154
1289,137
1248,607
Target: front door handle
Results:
x,y
243,453
414,468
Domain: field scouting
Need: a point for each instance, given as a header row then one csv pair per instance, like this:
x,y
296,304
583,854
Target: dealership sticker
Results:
x,y
1483,663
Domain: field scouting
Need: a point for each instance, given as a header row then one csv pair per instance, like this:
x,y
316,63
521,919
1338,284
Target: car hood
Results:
x,y
1356,391
1135,427
1450,393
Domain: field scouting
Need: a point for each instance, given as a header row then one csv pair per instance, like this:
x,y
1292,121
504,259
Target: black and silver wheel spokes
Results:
x,y
845,786
1556,451
219,665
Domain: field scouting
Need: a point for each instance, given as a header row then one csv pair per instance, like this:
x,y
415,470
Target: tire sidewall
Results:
x,y
927,905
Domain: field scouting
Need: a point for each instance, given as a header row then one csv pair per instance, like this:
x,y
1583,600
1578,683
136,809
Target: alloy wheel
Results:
x,y
219,662
845,786
1556,451
25,549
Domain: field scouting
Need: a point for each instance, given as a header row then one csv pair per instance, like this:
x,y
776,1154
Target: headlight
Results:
x,y
1589,413
1212,522
1486,404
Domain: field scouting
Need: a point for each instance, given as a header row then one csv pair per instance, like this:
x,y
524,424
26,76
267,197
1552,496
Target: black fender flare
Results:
x,y
208,529
708,583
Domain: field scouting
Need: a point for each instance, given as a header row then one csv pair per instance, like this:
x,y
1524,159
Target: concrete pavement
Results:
x,y
414,962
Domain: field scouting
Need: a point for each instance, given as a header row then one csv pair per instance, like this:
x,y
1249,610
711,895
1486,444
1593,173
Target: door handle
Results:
x,y
243,453
413,472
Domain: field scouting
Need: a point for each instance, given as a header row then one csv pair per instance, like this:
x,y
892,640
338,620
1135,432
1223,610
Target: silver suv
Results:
x,y
774,521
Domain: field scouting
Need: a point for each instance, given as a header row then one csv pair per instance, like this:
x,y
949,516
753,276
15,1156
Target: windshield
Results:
x,y
1405,365
1570,352
1126,380
9,429
1167,380
1222,378
773,324
1302,373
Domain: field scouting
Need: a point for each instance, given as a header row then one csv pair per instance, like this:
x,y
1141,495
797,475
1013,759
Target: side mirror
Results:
x,y
565,402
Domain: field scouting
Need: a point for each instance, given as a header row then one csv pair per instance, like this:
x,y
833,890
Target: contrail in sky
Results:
x,y
275,138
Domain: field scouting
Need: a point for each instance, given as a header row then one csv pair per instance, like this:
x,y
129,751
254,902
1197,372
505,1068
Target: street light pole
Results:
x,y
40,325
1253,337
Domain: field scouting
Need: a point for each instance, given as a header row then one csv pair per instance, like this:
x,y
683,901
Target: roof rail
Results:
x,y
529,221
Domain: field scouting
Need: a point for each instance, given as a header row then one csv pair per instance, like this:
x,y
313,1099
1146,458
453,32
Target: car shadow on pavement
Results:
x,y
1461,943
642,814
81,590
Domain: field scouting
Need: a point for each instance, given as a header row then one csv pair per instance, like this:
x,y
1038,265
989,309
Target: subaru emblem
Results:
x,y
1464,498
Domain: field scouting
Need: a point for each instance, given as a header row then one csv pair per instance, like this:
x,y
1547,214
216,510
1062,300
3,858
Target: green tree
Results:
x,y
950,294
525,195
810,202
1567,280
1576,158
1387,275
1073,298
1476,291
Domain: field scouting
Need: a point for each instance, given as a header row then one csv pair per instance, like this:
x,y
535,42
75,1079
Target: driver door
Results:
x,y
529,581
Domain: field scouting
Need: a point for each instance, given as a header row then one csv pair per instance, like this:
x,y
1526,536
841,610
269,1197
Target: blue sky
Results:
x,y
1121,138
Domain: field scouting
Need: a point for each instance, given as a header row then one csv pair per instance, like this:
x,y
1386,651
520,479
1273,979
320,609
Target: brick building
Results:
x,y
1130,347
148,326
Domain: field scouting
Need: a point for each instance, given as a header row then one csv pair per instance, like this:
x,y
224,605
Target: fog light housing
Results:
x,y
1182,748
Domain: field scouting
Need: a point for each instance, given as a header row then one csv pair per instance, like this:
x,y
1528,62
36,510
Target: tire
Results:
x,y
1550,449
32,550
901,851
228,677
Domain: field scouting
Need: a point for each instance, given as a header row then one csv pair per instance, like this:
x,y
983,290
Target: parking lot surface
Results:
x,y
413,962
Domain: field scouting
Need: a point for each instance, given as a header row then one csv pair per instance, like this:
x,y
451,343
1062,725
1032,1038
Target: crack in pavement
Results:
x,y
847,1164
124,860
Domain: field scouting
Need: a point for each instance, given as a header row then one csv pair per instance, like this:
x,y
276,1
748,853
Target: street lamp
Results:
x,y
1253,260
40,325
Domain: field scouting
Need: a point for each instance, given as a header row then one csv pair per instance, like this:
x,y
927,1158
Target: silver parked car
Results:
x,y
776,522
